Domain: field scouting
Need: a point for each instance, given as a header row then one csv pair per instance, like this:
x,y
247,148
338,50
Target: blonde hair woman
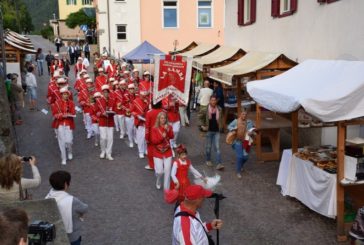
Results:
x,y
161,135
11,170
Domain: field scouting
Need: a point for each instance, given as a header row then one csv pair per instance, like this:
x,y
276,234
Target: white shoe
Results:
x,y
158,184
141,155
102,155
122,136
96,144
147,167
131,145
64,162
88,136
70,156
109,157
116,129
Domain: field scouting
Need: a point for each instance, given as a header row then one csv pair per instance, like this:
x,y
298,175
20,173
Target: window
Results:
x,y
283,8
170,14
204,13
246,12
86,2
71,2
121,32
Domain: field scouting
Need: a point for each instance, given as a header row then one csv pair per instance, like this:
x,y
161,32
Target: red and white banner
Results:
x,y
172,75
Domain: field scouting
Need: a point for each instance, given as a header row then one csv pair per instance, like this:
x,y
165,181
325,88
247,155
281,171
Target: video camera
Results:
x,y
41,232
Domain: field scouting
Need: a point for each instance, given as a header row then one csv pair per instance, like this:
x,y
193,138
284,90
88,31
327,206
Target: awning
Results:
x,y
19,41
251,62
331,90
201,49
185,49
142,54
219,55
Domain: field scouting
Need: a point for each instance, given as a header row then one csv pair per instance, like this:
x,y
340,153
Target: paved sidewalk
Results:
x,y
125,207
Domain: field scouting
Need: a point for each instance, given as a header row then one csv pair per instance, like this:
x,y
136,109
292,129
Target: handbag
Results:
x,y
231,137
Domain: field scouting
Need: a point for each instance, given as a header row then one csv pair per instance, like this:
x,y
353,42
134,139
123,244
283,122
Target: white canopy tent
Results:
x,y
331,90
201,49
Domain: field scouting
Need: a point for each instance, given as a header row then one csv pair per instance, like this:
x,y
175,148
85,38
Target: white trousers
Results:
x,y
129,123
163,166
183,115
96,131
120,122
88,123
176,127
65,140
140,136
106,139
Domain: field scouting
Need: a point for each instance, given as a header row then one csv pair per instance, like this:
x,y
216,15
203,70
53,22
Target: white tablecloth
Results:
x,y
311,185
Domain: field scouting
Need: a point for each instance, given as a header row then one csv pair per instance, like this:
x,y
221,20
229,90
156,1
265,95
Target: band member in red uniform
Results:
x,y
79,66
135,77
111,69
95,118
80,81
179,174
105,112
118,96
129,97
150,120
100,80
170,104
52,86
86,100
161,135
54,93
140,108
63,111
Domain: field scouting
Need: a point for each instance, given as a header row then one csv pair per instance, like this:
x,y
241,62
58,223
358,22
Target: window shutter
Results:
x,y
240,12
293,6
275,8
253,11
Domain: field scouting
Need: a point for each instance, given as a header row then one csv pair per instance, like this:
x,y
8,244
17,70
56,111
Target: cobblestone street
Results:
x,y
126,208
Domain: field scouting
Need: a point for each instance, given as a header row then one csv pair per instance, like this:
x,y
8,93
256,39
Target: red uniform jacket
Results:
x,y
140,108
172,109
128,103
100,80
63,108
145,85
111,70
93,112
55,67
118,96
80,84
52,88
79,67
103,105
86,99
150,119
162,147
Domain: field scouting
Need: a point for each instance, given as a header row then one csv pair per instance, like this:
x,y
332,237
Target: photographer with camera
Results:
x,y
70,207
12,183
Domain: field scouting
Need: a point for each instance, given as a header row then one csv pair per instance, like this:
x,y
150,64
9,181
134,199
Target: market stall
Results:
x,y
200,50
331,91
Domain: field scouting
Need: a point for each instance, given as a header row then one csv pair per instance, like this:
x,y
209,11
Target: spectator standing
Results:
x,y
204,98
86,49
219,94
11,181
49,59
16,99
72,53
78,50
214,124
39,58
31,83
58,43
187,225
66,65
89,35
85,60
71,208
241,144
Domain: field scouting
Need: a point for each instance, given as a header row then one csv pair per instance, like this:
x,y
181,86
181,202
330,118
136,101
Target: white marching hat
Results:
x,y
56,55
64,90
143,92
61,80
56,74
146,73
104,54
111,79
124,64
131,85
80,58
135,70
126,72
100,69
88,80
83,71
86,75
122,82
105,87
115,83
97,94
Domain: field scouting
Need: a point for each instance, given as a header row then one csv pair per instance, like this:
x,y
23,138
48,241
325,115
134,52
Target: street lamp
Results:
x,y
2,38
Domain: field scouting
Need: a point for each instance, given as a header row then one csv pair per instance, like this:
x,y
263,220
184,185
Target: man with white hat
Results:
x,y
105,112
86,100
101,79
63,111
140,108
128,102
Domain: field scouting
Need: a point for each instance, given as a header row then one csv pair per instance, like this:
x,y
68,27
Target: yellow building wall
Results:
x,y
65,10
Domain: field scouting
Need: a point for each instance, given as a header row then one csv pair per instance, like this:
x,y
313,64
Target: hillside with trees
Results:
x,y
16,16
41,12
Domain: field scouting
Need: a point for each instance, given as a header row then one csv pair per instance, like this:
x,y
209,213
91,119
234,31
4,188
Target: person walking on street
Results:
x,y
72,53
58,43
162,133
71,208
86,50
49,59
39,58
31,83
241,145
204,98
213,127
187,225
219,94
66,65
16,99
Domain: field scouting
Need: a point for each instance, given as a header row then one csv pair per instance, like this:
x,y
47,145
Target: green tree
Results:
x,y
11,20
79,18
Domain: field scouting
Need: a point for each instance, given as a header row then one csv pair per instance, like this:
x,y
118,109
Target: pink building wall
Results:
x,y
187,30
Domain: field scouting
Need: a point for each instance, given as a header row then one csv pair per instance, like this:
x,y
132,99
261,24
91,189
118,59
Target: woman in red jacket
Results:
x,y
161,135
